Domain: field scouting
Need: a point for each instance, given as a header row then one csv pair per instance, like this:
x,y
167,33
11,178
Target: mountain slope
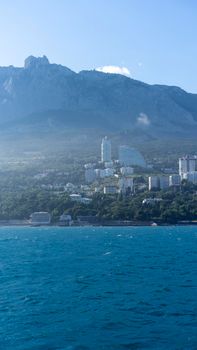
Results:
x,y
50,95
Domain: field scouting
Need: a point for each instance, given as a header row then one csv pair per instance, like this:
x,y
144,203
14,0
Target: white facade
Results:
x,y
86,200
75,197
98,172
110,189
65,217
102,173
109,172
69,187
78,198
153,182
187,165
90,175
125,183
106,150
191,177
89,165
126,170
109,164
158,182
65,220
174,180
151,200
40,218
130,156
163,182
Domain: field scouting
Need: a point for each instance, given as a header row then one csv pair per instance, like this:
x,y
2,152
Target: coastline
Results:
x,y
108,224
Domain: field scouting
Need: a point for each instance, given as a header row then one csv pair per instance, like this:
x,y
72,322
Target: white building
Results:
x,y
109,172
125,184
102,173
130,156
40,218
98,173
174,180
153,182
109,164
151,200
110,189
89,165
126,170
163,182
106,150
86,200
187,165
75,197
191,177
78,198
158,182
90,175
69,187
65,220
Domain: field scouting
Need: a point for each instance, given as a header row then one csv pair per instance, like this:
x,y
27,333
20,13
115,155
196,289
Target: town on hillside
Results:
x,y
123,190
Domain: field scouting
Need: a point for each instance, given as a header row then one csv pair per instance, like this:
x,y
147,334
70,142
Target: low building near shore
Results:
x,y
84,220
40,218
65,220
14,222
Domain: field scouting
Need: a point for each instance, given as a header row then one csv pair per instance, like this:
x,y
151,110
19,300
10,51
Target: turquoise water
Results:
x,y
98,288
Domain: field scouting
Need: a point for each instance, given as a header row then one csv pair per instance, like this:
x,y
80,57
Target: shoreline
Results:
x,y
97,225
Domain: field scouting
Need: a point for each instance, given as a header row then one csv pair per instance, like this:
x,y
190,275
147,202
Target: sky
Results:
x,y
150,40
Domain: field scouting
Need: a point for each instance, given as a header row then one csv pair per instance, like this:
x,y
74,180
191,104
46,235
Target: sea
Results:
x,y
82,288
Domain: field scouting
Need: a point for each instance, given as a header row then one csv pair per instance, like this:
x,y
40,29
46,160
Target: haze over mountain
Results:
x,y
44,95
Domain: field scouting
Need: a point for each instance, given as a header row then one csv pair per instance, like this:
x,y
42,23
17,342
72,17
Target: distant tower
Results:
x,y
106,150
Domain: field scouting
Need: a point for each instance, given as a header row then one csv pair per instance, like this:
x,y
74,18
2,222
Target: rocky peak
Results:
x,y
35,62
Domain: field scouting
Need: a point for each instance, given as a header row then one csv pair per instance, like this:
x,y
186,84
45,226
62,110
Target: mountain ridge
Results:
x,y
40,92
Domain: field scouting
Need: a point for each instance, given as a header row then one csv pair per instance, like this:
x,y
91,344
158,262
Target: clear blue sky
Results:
x,y
154,39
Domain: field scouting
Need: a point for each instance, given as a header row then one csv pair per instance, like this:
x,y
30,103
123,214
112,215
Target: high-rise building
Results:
x,y
125,184
130,156
153,182
163,182
158,182
191,177
187,165
174,180
106,150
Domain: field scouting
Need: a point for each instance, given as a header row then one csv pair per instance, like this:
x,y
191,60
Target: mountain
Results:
x,y
44,95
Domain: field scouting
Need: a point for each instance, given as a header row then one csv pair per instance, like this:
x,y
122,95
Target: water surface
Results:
x,y
98,288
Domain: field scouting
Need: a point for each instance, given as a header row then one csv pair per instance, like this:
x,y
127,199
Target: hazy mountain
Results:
x,y
49,95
